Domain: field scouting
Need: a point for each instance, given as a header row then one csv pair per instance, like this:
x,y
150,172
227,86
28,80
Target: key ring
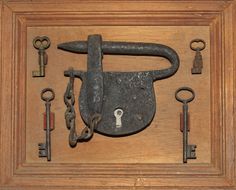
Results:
x,y
41,42
199,48
49,97
185,101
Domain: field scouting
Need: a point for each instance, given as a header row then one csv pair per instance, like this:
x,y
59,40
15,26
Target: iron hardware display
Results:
x,y
113,103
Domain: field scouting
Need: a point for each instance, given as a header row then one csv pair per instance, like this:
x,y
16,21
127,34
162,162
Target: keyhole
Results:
x,y
118,114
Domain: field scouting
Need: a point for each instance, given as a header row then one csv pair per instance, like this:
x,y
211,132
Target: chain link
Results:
x,y
70,116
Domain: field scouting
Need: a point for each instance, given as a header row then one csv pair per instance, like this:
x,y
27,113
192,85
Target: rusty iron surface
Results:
x,y
198,60
104,92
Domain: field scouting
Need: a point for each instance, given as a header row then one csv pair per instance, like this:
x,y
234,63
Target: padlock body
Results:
x,y
130,91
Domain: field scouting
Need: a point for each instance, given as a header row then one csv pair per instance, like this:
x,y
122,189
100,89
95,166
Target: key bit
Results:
x,y
189,151
198,61
42,150
41,43
42,146
42,153
45,148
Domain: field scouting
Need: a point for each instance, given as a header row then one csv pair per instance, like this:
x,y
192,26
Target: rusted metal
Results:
x,y
41,43
197,62
52,120
189,151
181,116
102,93
45,148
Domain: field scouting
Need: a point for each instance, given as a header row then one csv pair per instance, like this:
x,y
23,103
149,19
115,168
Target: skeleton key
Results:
x,y
197,62
41,43
118,114
45,148
189,151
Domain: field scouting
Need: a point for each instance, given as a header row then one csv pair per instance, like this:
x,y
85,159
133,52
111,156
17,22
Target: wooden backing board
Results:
x,y
161,142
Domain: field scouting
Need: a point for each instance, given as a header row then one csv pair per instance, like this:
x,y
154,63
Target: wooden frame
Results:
x,y
16,16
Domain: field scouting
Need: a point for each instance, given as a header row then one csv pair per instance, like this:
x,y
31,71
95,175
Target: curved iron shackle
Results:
x,y
131,48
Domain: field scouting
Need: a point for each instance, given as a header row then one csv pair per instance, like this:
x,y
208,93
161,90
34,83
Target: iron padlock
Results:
x,y
102,93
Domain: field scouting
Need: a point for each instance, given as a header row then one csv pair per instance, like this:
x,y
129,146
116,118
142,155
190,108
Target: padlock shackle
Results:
x,y
132,48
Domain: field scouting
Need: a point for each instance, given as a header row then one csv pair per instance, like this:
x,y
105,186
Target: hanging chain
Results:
x,y
70,116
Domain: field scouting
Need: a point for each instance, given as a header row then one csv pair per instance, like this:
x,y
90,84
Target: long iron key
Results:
x,y
189,150
45,148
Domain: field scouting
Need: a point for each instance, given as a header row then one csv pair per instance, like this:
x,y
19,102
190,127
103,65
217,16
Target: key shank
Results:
x,y
185,132
48,128
42,62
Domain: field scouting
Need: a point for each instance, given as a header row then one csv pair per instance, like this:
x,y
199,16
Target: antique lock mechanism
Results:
x,y
113,103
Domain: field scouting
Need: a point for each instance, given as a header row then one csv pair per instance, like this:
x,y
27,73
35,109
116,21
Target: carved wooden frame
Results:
x,y
16,16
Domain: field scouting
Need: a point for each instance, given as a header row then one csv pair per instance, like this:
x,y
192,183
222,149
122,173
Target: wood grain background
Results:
x,y
161,142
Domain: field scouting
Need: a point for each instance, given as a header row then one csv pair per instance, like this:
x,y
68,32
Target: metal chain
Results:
x,y
70,116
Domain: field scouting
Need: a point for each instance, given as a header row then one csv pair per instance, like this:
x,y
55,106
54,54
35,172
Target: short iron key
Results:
x,y
189,151
197,62
41,43
45,148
